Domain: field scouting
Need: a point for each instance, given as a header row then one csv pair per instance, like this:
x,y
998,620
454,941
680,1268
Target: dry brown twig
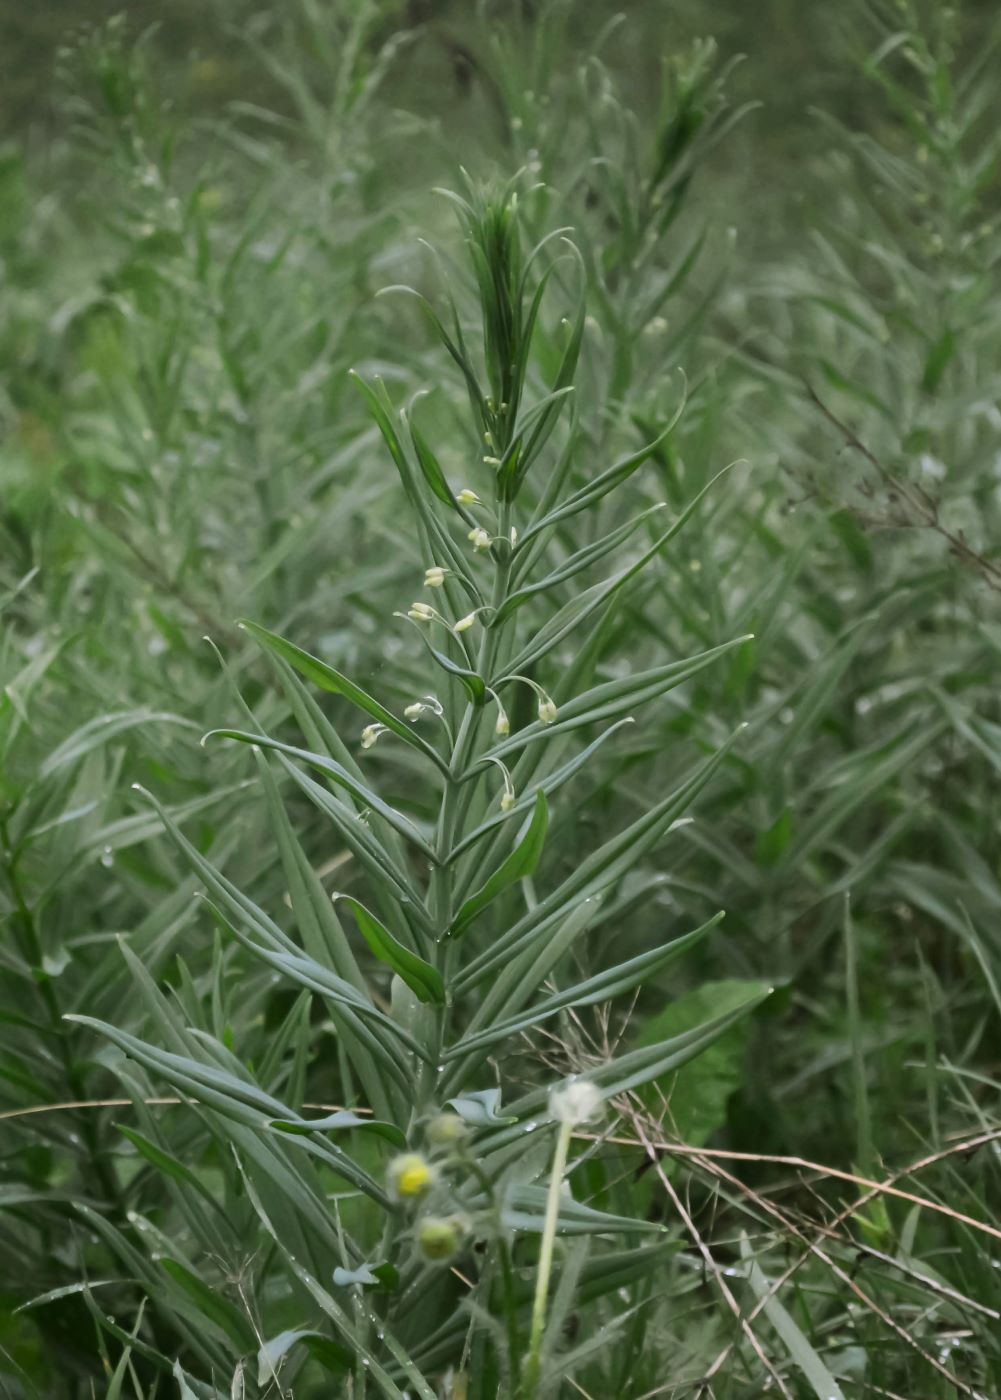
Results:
x,y
923,505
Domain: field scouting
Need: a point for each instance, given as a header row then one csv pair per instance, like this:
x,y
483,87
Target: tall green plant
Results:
x,y
454,941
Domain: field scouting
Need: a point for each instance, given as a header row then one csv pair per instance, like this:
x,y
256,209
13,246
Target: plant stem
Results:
x,y
546,1261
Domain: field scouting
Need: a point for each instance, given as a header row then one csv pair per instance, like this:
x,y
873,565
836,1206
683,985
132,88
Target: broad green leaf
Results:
x,y
636,1067
697,1095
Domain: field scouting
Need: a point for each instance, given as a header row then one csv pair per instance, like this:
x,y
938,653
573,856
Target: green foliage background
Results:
x,y
194,226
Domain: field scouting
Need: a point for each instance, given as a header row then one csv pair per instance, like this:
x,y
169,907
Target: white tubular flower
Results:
x,y
420,612
467,497
508,796
503,725
464,623
434,577
479,538
413,712
547,710
576,1101
370,733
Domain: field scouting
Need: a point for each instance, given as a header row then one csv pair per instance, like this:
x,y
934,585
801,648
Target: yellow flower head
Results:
x,y
410,1175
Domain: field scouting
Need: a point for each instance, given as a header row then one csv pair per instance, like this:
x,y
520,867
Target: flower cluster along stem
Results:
x,y
455,803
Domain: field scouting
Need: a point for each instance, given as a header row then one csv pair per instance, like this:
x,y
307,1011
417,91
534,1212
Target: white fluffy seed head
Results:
x,y
576,1101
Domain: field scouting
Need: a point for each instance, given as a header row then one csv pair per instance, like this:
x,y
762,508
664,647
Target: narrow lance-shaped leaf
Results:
x,y
341,776
611,699
613,982
606,481
324,676
636,1067
577,562
592,598
521,863
422,979
363,844
592,875
212,1305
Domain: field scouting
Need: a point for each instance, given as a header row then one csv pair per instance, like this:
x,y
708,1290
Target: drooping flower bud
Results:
x,y
464,623
434,577
503,725
507,800
370,733
413,712
467,497
479,538
420,612
547,710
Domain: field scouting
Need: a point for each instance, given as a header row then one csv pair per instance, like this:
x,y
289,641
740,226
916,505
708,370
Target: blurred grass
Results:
x,y
187,282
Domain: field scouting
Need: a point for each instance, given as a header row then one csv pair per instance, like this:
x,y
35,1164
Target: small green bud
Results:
x,y
446,1129
438,1237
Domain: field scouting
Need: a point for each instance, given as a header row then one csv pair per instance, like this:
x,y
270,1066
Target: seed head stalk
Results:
x,y
545,1268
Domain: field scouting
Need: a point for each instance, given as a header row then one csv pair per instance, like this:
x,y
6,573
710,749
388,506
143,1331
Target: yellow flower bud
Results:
x,y
420,612
464,623
434,577
467,497
479,538
410,1175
